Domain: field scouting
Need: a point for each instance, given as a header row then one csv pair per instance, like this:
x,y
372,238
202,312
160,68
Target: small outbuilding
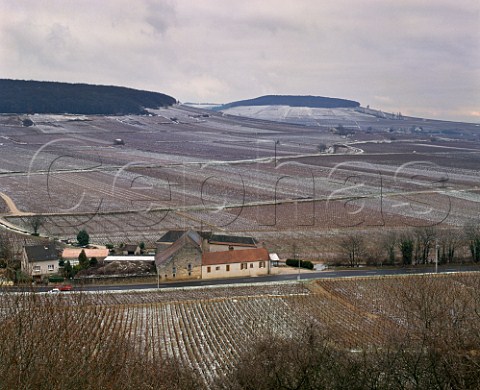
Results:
x,y
131,250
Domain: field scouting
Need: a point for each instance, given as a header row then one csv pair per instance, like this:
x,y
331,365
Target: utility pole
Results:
x,y
276,143
295,257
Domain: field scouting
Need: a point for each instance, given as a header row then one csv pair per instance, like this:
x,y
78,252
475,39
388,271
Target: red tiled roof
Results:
x,y
73,253
235,256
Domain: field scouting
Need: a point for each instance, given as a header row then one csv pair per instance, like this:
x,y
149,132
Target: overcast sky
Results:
x,y
419,57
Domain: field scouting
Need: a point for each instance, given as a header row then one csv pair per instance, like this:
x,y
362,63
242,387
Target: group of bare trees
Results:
x,y
432,342
50,343
9,258
420,245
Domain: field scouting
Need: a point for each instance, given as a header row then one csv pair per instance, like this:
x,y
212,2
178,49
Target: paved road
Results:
x,y
287,277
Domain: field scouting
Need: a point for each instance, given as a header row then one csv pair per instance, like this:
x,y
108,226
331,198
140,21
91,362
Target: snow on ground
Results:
x,y
305,115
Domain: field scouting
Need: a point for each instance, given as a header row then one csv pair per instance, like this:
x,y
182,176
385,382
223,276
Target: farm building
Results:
x,y
221,242
169,238
187,255
182,259
131,249
274,260
235,263
40,260
71,254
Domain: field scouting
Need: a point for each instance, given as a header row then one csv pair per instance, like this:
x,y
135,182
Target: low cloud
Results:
x,y
419,56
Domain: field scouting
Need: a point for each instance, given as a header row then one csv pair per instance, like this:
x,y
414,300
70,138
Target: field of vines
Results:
x,y
208,329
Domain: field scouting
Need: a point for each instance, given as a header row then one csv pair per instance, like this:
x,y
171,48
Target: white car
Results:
x,y
54,291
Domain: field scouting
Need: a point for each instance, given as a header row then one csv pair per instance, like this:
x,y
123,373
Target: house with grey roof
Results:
x,y
39,261
200,255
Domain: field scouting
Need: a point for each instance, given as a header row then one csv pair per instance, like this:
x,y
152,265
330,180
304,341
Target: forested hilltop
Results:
x,y
18,96
292,101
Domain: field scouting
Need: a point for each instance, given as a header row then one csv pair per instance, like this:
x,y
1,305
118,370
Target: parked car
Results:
x,y
64,287
53,291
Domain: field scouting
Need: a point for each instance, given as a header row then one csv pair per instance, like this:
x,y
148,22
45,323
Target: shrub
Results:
x,y
27,122
83,238
55,279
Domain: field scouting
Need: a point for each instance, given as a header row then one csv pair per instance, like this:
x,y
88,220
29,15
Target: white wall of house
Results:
x,y
251,268
43,268
39,268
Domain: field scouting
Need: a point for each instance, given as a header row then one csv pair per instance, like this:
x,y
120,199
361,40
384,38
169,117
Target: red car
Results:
x,y
64,287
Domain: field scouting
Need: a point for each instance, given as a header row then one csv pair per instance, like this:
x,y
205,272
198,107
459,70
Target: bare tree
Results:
x,y
8,260
321,147
36,222
472,234
449,241
425,240
353,247
388,243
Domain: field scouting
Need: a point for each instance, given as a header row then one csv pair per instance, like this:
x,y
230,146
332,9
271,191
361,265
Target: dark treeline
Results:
x,y
293,101
29,97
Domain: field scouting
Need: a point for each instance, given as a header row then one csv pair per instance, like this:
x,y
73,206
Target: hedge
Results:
x,y
303,263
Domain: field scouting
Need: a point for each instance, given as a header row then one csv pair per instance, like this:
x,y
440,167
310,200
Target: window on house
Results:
x,y
209,269
50,267
251,265
189,267
217,268
262,264
243,266
36,268
228,267
189,273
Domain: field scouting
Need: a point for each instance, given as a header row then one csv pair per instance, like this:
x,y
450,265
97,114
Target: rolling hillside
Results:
x,y
292,101
28,97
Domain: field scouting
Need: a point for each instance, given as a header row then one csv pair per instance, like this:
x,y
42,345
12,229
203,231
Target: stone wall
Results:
x,y
185,264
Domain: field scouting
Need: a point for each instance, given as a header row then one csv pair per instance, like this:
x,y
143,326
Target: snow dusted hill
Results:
x,y
301,115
